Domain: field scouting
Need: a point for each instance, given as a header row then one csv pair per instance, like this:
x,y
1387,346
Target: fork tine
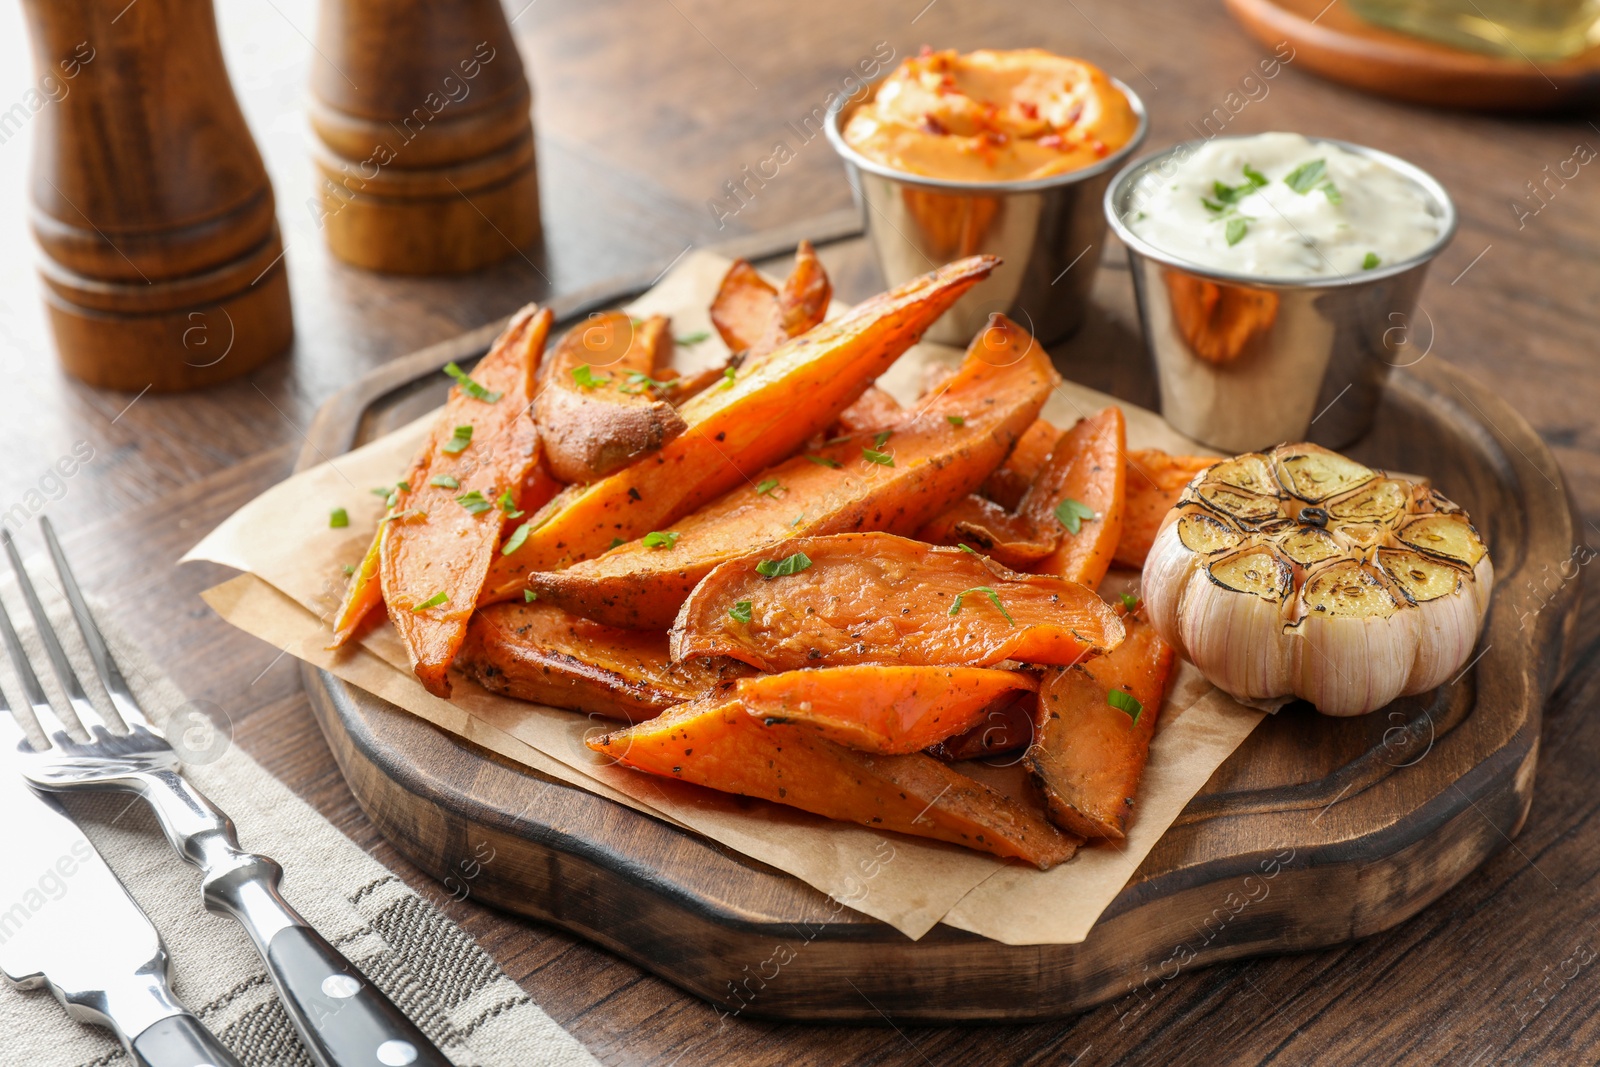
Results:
x,y
88,715
43,713
110,674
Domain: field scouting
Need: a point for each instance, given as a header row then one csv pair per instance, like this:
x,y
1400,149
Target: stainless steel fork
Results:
x,y
342,1017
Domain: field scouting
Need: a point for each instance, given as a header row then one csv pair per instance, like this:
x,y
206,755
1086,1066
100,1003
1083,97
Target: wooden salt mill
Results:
x,y
163,265
424,146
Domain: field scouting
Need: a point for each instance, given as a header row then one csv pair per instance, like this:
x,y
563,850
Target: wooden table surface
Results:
x,y
644,110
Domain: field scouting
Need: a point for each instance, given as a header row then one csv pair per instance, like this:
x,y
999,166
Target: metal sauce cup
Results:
x,y
1048,231
1247,362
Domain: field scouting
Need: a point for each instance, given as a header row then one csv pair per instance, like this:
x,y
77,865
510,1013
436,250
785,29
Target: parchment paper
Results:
x,y
294,578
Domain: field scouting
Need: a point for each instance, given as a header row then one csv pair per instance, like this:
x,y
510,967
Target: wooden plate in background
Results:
x,y
1332,41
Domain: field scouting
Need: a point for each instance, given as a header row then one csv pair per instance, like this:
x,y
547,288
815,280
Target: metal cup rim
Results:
x,y
831,126
1430,185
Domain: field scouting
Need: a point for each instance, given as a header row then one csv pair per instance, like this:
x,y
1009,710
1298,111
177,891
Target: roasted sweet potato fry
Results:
x,y
874,410
889,710
877,598
540,653
1003,727
362,595
1007,484
743,307
597,409
978,522
1155,481
738,431
1084,480
842,487
721,746
1089,753
801,303
450,511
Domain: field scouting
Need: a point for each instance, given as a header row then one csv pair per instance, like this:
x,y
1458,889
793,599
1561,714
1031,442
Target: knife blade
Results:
x,y
67,922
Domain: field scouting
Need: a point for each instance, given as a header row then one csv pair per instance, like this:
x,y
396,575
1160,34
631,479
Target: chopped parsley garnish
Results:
x,y
1371,261
1071,513
1256,177
1125,701
382,491
519,535
967,548
878,439
460,438
444,481
1237,228
338,517
529,596
1212,206
441,597
691,339
841,439
638,382
661,538
615,541
956,420
402,516
740,612
474,502
824,461
348,570
986,591
797,519
767,486
585,376
1130,601
727,378
1305,177
882,458
470,387
779,568
506,505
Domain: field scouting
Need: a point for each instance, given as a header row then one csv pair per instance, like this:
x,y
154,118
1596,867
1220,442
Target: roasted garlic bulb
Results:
x,y
1299,572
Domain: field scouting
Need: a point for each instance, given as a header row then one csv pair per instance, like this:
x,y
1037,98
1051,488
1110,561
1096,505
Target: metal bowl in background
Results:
x,y
1247,362
1048,231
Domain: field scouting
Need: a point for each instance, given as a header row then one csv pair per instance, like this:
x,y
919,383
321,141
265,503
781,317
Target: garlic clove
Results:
x,y
1251,472
1236,504
1314,474
1241,636
1356,646
1449,535
1381,501
1447,620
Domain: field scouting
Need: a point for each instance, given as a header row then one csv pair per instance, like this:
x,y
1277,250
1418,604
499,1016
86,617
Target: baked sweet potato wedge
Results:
x,y
736,432
877,598
1155,481
597,410
892,481
1089,753
362,595
978,522
889,710
718,744
873,410
1003,727
1007,484
743,306
540,653
1080,493
449,513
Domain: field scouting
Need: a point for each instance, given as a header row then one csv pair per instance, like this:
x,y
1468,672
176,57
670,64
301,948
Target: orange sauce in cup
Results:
x,y
992,116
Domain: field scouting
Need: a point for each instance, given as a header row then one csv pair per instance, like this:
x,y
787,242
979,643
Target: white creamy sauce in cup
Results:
x,y
1277,205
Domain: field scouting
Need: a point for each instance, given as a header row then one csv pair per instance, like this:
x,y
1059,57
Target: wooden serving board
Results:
x,y
1316,831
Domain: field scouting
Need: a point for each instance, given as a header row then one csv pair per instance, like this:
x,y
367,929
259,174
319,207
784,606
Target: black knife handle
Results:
x,y
345,1018
180,1041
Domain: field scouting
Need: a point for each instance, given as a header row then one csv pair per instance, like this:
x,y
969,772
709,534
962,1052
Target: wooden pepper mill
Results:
x,y
163,264
424,144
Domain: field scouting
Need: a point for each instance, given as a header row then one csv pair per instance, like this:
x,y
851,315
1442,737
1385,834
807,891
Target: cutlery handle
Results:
x,y
349,1018
180,1041
342,1018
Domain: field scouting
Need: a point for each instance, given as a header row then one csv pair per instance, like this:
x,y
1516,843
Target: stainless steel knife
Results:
x,y
66,921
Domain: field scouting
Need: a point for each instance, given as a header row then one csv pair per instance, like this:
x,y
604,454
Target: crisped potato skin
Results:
x,y
878,598
718,744
1088,756
538,652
